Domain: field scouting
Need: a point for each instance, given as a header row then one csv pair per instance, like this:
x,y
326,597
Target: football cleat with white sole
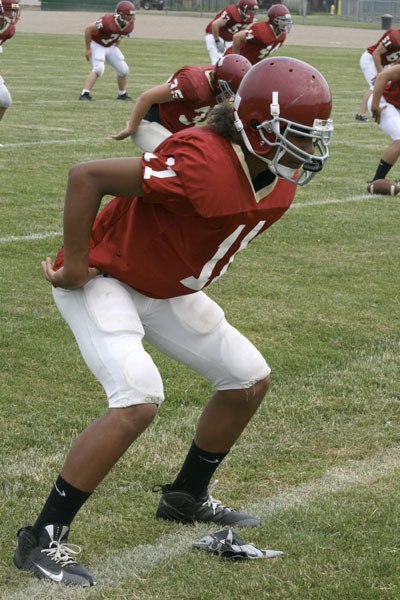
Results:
x,y
184,508
50,557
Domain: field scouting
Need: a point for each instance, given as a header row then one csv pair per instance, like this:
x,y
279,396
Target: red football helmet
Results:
x,y
10,10
229,72
282,96
125,12
246,7
280,19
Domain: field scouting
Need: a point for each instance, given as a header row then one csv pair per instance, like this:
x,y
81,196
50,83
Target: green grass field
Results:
x,y
318,294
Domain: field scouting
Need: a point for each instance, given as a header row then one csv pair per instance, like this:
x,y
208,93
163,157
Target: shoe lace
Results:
x,y
61,553
212,502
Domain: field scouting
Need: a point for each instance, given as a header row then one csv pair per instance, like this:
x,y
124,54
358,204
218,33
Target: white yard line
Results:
x,y
138,560
49,234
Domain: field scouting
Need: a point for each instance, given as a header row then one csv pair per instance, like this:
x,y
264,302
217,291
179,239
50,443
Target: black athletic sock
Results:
x,y
61,506
382,170
197,470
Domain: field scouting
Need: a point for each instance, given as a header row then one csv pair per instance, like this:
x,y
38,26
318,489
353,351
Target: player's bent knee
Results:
x,y
5,97
123,70
99,70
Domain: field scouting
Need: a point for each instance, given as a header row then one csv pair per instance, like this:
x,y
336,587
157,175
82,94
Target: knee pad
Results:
x,y
144,383
123,69
5,96
99,69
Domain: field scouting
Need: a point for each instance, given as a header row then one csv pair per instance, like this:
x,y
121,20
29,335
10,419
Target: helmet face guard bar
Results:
x,y
320,133
283,24
226,92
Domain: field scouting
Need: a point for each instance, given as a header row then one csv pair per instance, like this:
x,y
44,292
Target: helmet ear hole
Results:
x,y
254,124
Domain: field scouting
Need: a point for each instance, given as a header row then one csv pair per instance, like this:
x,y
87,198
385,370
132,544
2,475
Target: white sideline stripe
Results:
x,y
49,234
113,569
54,142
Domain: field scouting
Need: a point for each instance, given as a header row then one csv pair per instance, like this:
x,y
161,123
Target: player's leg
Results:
x,y
109,333
212,49
98,58
5,99
117,61
193,330
390,124
369,70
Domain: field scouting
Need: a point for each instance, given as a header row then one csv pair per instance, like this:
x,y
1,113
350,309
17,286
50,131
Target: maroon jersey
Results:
x,y
109,32
391,42
260,42
233,22
193,95
391,93
6,33
198,209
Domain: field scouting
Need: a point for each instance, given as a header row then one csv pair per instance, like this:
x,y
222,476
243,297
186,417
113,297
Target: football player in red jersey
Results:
x,y
227,22
262,39
385,106
379,56
138,269
102,40
183,101
9,15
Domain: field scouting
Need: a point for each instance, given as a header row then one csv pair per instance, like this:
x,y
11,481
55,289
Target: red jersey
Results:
x,y
260,41
233,22
7,33
391,93
109,31
198,209
391,42
193,95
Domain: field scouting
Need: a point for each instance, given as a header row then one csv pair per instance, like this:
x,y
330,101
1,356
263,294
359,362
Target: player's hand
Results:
x,y
62,279
376,113
88,55
220,45
124,133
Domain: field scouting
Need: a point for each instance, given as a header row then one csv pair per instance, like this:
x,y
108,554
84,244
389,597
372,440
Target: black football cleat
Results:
x,y
86,96
50,557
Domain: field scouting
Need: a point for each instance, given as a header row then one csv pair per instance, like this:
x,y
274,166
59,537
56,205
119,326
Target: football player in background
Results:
x,y
385,106
262,39
377,57
183,101
227,22
102,40
10,13
138,269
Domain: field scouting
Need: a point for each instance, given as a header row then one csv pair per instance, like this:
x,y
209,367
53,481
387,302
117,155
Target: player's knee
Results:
x,y
140,383
99,70
123,70
5,97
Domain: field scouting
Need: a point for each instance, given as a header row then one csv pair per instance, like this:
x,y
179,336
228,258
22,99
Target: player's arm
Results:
x,y
377,57
87,184
89,32
239,40
157,95
215,27
382,79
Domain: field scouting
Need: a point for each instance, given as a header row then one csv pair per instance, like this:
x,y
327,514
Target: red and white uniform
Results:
x,y
260,42
199,209
6,33
390,117
193,96
109,32
104,45
233,22
390,40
